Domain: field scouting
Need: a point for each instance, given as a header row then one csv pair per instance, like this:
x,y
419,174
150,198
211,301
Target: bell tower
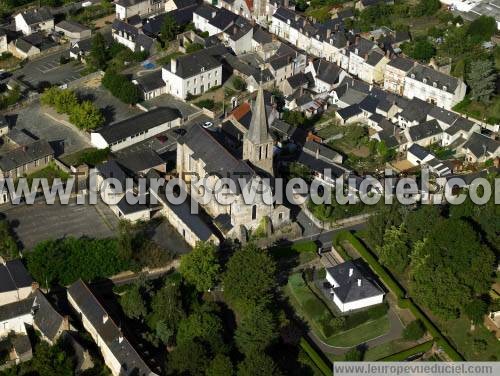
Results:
x,y
257,142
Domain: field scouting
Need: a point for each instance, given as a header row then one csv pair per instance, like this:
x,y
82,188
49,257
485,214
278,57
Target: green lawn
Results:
x,y
50,173
387,349
489,113
314,311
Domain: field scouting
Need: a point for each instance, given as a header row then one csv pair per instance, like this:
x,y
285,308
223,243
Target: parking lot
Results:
x,y
48,69
38,222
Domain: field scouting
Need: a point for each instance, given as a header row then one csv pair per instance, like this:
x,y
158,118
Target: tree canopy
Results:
x,y
256,331
8,245
481,78
201,266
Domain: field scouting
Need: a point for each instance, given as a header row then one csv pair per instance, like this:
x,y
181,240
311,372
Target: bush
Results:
x,y
239,84
206,103
414,330
121,87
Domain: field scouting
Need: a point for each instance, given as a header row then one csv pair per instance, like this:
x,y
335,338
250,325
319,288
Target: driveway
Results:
x,y
48,69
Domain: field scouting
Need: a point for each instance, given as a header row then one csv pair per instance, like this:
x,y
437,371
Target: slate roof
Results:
x,y
349,112
324,152
418,151
348,289
216,157
421,72
261,36
13,276
16,309
361,47
443,115
191,65
299,80
151,81
25,154
36,15
374,58
320,165
239,29
112,169
402,63
120,25
82,46
415,110
140,160
478,143
326,71
23,45
109,332
223,19
140,123
461,124
424,130
369,104
46,318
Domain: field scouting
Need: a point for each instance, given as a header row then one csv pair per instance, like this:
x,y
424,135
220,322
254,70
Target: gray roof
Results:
x,y
418,151
125,27
112,169
72,26
150,81
323,151
23,45
258,132
320,165
262,36
223,19
21,344
443,115
349,289
140,123
192,65
298,80
16,309
239,29
82,46
46,318
349,112
25,154
361,46
140,160
415,110
478,144
327,71
461,124
421,72
374,58
36,15
13,276
424,130
402,63
109,332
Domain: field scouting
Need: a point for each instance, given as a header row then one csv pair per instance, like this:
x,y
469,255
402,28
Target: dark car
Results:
x,y
180,131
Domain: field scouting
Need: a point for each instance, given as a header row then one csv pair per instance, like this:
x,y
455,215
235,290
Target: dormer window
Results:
x,y
434,84
445,88
413,75
203,69
424,80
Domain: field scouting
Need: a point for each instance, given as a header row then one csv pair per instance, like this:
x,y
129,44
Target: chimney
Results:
x,y
213,14
173,65
357,39
351,270
35,286
317,157
286,4
235,29
328,33
65,323
359,282
120,338
105,318
336,27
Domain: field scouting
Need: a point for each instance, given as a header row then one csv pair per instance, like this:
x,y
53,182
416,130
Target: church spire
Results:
x,y
258,132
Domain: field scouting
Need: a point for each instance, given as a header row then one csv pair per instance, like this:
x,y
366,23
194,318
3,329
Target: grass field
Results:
x,y
313,310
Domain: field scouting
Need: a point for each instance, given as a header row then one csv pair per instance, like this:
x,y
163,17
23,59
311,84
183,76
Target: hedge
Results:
x,y
324,366
405,354
305,246
372,261
340,250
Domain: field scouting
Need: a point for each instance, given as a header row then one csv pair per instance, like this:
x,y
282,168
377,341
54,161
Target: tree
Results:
x,y
450,268
121,87
394,252
166,308
426,8
98,55
169,29
8,245
295,118
481,78
354,355
188,358
203,324
201,266
414,330
51,361
482,28
220,365
476,309
249,278
256,331
258,364
419,223
133,303
193,47
420,49
239,83
385,217
86,116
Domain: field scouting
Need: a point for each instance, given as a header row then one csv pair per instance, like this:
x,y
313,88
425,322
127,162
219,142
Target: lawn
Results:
x,y
316,313
50,173
305,251
489,113
387,349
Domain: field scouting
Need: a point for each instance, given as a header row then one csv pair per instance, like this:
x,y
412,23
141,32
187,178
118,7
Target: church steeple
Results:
x,y
257,142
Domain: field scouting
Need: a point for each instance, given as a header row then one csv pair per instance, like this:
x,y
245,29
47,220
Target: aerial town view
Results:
x,y
249,187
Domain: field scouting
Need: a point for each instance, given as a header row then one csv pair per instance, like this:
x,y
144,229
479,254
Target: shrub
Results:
x,y
414,330
121,87
239,84
209,104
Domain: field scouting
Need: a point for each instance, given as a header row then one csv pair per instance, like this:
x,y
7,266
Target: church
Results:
x,y
208,154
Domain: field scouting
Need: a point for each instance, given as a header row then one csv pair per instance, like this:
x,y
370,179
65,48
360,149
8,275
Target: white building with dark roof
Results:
x,y
351,288
131,37
395,74
125,9
130,131
192,74
480,148
118,353
73,30
33,20
15,282
434,87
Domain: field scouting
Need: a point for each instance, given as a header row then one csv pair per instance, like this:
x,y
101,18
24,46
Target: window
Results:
x,y
254,212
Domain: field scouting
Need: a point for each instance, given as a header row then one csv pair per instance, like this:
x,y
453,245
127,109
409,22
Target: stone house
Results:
x,y
26,159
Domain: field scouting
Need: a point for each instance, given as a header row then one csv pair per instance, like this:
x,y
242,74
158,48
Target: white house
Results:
x,y
434,87
395,74
118,353
480,148
125,9
326,75
33,20
131,37
73,30
192,74
16,283
128,132
351,288
212,20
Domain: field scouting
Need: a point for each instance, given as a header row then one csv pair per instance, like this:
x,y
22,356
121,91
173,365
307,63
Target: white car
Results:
x,y
207,124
